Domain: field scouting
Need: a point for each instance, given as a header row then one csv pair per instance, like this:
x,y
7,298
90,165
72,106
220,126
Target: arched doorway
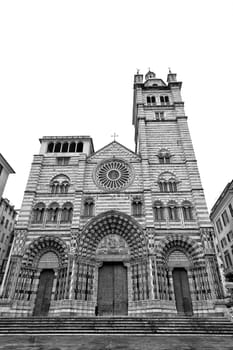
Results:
x,y
179,264
113,240
48,263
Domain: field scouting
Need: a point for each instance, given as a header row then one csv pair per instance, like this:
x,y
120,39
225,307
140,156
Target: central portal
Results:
x,y
112,290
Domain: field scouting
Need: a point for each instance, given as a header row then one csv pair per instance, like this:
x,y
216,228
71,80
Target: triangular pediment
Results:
x,y
114,149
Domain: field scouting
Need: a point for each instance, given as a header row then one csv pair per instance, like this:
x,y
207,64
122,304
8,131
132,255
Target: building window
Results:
x,y
67,213
230,236
79,147
168,186
60,184
219,225
164,156
164,100
2,220
6,223
231,209
57,147
158,210
225,218
187,210
173,213
50,147
1,168
150,100
228,259
72,147
52,212
38,213
63,160
223,242
159,115
2,238
88,208
65,147
137,207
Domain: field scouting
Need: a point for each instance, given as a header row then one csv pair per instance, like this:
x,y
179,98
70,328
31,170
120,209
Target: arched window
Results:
x,y
52,212
187,210
137,206
50,147
64,187
57,147
153,99
164,100
173,211
79,147
167,182
164,156
67,212
172,186
88,209
72,147
65,147
55,187
60,184
158,209
38,213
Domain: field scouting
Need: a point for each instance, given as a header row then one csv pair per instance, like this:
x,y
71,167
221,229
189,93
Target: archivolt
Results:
x,y
190,247
112,222
42,245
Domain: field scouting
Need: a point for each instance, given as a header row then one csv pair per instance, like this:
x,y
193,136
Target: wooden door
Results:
x,y
182,291
44,292
112,290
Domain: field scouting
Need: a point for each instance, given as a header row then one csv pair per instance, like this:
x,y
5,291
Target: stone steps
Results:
x,y
117,325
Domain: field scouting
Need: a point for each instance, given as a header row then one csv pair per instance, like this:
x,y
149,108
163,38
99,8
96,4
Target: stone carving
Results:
x,y
112,244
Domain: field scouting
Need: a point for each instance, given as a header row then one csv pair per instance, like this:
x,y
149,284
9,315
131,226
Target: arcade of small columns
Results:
x,y
149,269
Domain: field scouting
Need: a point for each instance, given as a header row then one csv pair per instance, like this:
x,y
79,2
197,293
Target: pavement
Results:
x,y
115,342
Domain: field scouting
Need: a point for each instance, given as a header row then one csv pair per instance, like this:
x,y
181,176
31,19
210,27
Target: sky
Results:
x,y
67,67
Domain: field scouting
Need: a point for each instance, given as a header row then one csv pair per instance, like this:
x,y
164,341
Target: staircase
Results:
x,y
157,325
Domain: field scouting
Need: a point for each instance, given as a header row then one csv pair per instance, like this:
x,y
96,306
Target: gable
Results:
x,y
114,149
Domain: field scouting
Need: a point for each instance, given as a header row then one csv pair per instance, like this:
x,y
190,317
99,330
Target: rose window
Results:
x,y
113,175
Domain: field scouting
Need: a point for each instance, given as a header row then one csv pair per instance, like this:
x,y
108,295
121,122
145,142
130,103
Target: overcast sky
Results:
x,y
66,68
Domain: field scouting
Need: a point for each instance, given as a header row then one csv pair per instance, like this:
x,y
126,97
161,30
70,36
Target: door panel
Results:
x,y
112,290
120,290
44,292
182,292
105,290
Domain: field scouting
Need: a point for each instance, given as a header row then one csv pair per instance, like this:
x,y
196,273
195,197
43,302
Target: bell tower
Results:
x,y
163,140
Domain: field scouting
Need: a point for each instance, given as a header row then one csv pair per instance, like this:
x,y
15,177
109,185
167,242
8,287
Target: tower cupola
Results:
x,y
150,75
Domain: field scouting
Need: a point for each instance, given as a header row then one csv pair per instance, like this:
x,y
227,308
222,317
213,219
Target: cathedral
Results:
x,y
114,231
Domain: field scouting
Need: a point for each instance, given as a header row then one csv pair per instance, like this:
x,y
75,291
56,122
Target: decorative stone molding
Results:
x,y
19,242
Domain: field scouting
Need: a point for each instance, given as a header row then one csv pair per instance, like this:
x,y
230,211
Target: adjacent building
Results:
x,y
222,217
7,221
5,170
116,231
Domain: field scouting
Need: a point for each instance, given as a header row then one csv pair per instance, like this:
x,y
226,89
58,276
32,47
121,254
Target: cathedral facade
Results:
x,y
116,232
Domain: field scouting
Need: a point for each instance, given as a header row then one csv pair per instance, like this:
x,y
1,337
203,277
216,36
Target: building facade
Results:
x,y
117,232
7,221
222,218
5,170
